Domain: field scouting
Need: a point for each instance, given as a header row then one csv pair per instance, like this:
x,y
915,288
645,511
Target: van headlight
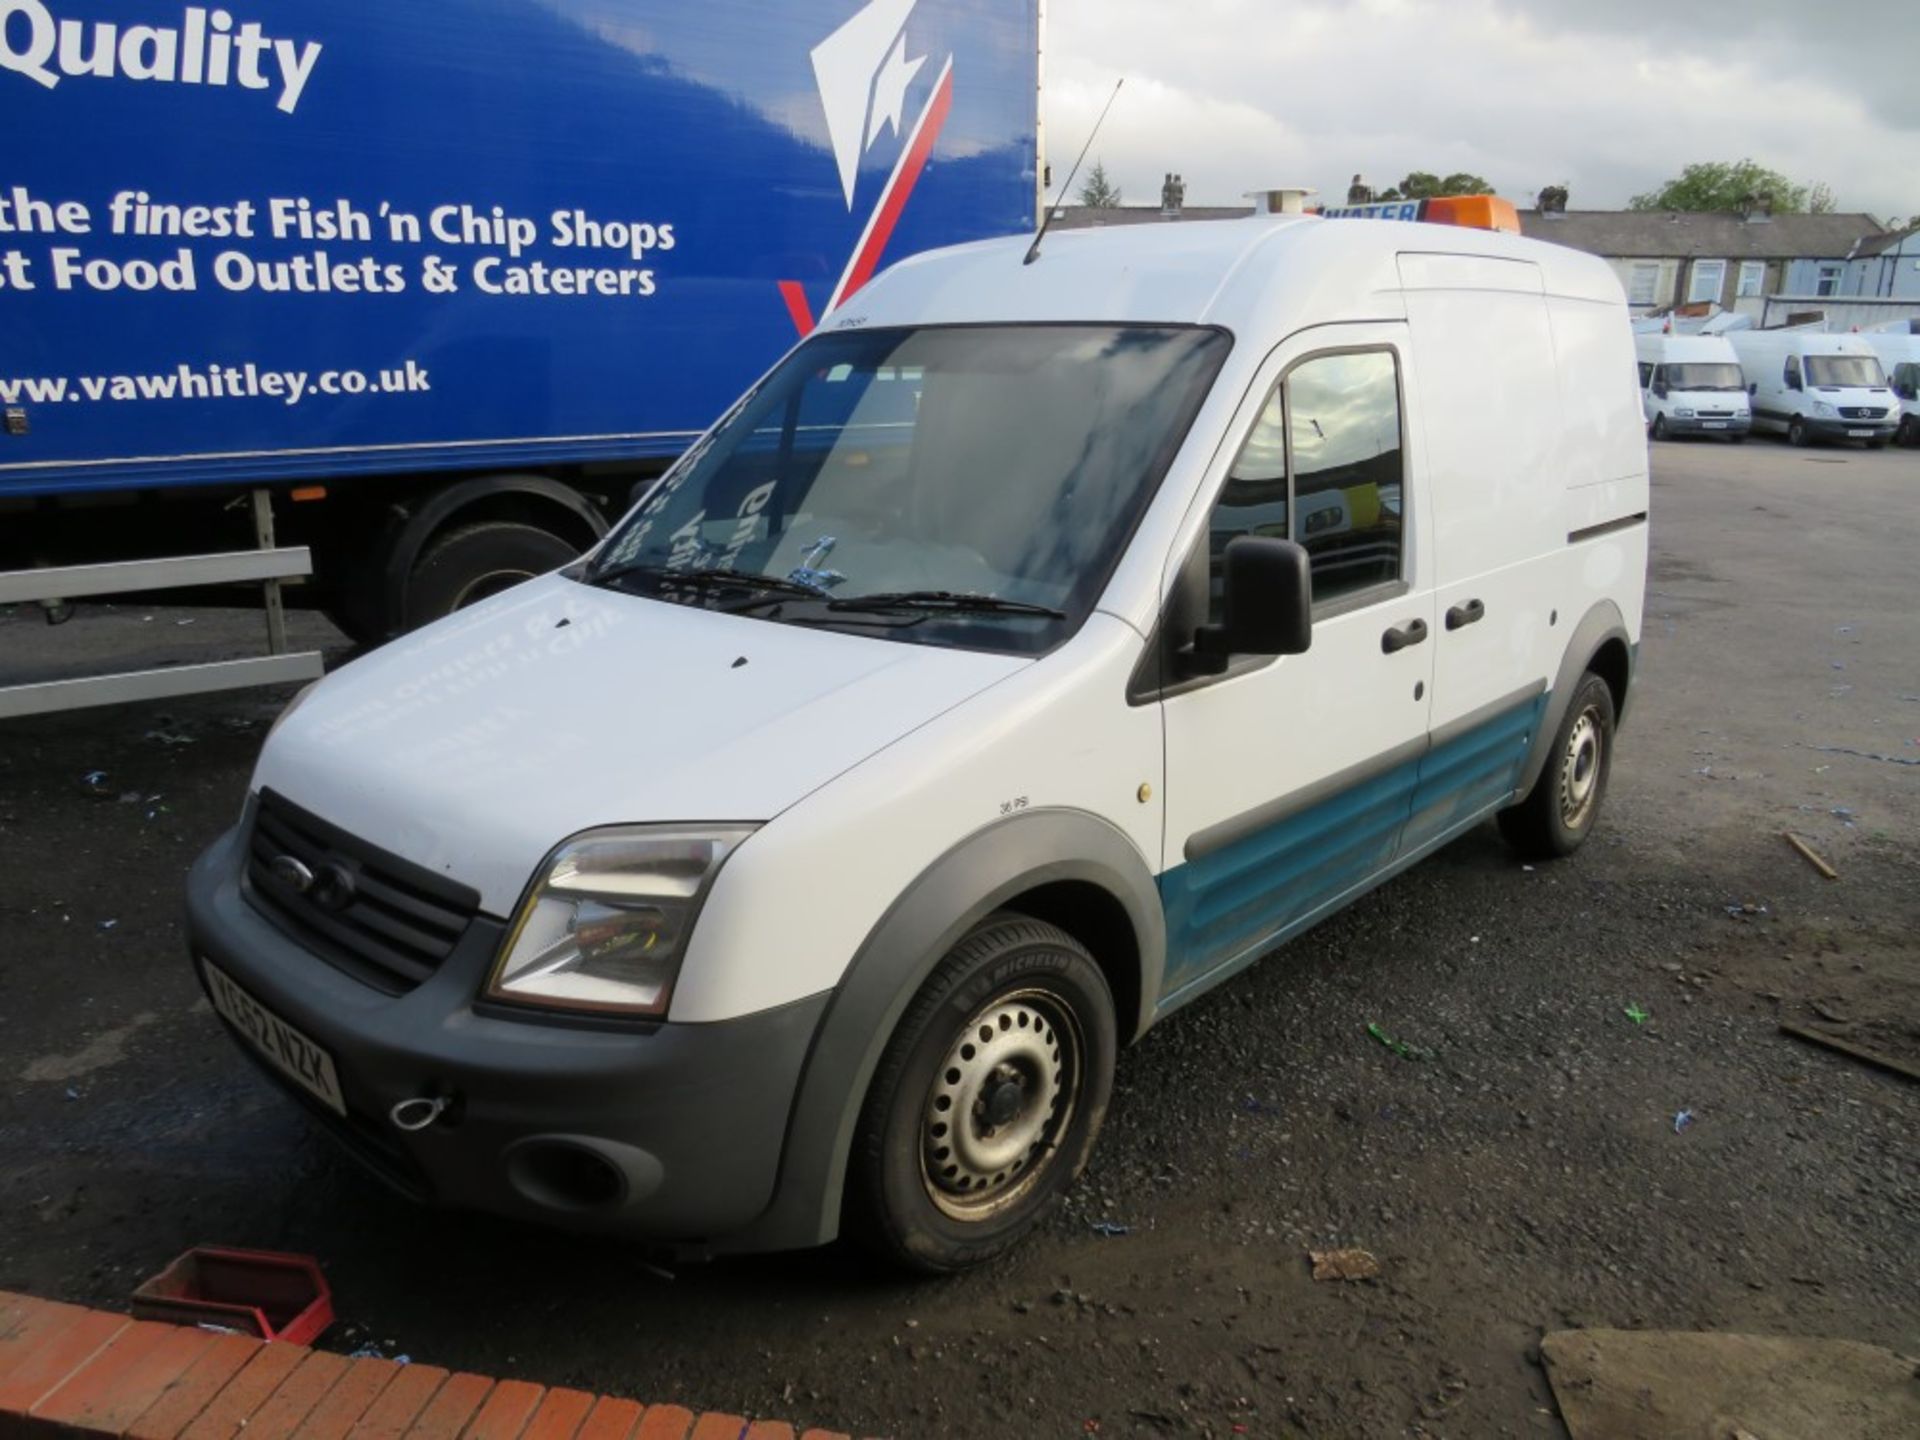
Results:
x,y
1825,411
605,923
1683,412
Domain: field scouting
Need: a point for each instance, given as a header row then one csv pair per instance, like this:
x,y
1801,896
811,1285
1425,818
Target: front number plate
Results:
x,y
289,1052
1713,424
1860,434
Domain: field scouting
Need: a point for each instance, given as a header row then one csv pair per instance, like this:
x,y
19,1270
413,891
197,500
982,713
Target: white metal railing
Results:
x,y
267,564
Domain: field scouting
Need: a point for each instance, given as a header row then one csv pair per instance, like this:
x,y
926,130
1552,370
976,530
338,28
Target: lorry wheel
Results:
x,y
1659,431
1559,812
1796,431
476,561
988,1098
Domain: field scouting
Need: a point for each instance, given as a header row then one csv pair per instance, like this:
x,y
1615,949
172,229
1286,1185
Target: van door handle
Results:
x,y
1411,633
1470,613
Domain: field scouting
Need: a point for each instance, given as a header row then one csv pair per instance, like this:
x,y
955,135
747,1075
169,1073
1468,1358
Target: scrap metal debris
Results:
x,y
1347,1264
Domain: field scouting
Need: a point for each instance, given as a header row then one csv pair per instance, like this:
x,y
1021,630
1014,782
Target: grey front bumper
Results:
x,y
690,1119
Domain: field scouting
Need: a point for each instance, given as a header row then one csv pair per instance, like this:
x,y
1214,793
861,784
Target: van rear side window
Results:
x,y
1323,466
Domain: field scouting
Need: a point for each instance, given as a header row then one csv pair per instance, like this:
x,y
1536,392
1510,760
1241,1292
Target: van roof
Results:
x,y
1681,347
1265,274
1808,342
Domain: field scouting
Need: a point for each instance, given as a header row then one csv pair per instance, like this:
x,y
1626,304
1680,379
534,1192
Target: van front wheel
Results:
x,y
1796,431
1559,812
988,1098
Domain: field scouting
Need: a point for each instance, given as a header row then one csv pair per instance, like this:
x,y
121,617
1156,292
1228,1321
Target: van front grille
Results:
x,y
385,921
1863,412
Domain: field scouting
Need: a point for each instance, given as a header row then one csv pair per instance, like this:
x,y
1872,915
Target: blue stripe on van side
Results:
x,y
1229,906
1460,778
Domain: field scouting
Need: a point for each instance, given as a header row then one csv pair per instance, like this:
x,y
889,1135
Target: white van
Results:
x,y
1899,352
1692,385
1809,385
1031,649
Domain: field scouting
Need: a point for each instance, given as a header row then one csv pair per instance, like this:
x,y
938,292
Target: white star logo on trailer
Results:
x,y
863,73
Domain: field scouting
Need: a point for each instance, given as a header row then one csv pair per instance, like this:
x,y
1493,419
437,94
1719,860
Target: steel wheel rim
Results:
x,y
1580,769
1001,1100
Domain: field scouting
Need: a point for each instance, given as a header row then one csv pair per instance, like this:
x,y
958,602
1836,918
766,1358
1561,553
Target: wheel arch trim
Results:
x,y
1601,626
981,874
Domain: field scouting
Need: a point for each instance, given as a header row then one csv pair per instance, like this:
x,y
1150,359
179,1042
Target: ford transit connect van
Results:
x,y
1692,385
1033,648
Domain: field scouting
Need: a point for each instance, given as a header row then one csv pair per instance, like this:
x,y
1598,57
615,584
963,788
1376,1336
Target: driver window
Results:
x,y
1323,466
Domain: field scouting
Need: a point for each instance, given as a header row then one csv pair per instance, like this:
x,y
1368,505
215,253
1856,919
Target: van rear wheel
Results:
x,y
1559,812
987,1100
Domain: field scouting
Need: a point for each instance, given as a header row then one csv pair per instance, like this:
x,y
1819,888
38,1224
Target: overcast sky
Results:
x,y
1609,97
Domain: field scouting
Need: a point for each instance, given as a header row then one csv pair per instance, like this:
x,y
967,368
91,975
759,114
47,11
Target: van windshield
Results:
x,y
958,485
1709,376
1845,370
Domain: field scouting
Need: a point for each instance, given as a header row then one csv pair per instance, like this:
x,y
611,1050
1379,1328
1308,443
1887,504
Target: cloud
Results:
x,y
1609,99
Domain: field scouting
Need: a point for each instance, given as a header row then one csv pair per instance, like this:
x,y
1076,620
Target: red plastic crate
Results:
x,y
267,1293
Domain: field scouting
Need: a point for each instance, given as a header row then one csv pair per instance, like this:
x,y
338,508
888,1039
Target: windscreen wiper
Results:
x,y
710,577
958,601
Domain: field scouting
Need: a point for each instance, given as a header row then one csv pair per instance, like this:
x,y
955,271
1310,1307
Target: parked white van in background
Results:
x,y
1899,352
1692,385
1809,385
1033,648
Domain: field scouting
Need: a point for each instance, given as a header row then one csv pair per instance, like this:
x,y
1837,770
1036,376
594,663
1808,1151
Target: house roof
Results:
x,y
1658,234
1653,234
1084,217
1889,240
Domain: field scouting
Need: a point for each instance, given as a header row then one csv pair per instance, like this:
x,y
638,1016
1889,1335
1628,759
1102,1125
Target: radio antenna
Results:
x,y
1033,250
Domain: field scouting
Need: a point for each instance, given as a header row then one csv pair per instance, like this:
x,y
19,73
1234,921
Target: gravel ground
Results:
x,y
1526,1175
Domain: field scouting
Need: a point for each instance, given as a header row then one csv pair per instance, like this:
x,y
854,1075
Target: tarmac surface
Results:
x,y
1551,1163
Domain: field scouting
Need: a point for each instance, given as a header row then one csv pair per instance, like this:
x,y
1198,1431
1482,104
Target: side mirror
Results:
x,y
1793,381
1660,388
1269,604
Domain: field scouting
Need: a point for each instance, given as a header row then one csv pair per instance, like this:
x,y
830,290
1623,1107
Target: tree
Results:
x,y
1424,185
1097,192
1723,185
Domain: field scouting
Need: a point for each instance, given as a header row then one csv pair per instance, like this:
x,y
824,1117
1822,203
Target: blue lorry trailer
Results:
x,y
443,279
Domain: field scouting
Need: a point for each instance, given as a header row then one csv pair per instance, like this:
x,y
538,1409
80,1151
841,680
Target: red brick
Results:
x,y
305,1388
28,1324
506,1412
559,1415
611,1420
667,1422
334,1417
452,1406
228,1411
714,1426
185,1397
111,1390
389,1416
769,1430
53,1352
